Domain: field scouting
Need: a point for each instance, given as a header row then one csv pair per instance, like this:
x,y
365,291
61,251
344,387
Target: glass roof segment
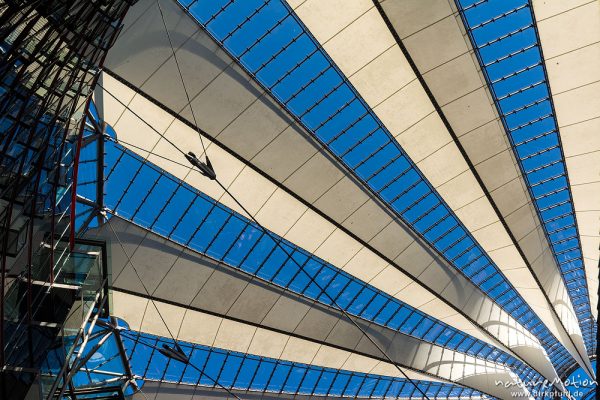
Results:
x,y
234,370
273,45
139,191
505,38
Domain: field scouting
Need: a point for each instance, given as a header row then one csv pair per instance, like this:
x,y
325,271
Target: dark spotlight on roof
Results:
x,y
206,169
175,353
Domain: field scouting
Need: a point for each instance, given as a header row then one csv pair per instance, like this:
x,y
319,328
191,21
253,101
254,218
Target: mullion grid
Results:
x,y
529,323
525,134
218,362
293,282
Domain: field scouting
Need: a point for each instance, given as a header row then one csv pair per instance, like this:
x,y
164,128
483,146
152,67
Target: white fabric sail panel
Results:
x,y
570,36
442,54
274,208
410,116
441,365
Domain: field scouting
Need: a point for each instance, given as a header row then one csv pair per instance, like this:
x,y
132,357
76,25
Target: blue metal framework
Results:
x,y
268,40
146,195
247,372
504,36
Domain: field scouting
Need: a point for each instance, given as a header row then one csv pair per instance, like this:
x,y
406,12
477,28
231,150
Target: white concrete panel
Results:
x,y
199,327
586,166
301,350
277,161
356,266
104,103
443,166
310,229
233,335
580,138
419,14
252,190
577,105
215,108
342,199
280,213
358,43
495,238
469,112
570,71
460,190
269,343
436,44
418,263
489,140
304,179
403,109
329,249
357,360
476,214
327,13
389,66
425,138
545,9
499,170
259,117
558,35
392,241
462,82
